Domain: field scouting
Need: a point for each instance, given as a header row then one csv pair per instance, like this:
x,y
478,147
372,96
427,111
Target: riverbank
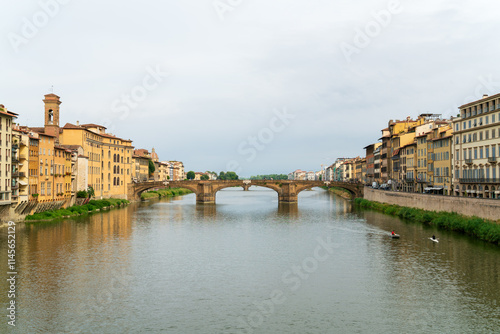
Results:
x,y
171,192
482,229
339,192
76,210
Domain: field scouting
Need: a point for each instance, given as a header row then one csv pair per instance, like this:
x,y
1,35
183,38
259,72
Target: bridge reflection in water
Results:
x,y
205,191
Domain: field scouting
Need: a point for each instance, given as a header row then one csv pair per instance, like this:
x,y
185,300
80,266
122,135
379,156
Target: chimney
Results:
x,y
485,96
77,123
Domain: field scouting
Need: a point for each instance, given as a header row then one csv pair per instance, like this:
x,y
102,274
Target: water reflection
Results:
x,y
206,211
288,210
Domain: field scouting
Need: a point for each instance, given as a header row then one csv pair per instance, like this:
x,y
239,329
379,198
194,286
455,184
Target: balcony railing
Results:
x,y
15,174
22,174
468,161
492,159
408,180
480,180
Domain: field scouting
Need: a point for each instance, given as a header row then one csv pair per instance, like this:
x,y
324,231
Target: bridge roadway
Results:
x,y
205,191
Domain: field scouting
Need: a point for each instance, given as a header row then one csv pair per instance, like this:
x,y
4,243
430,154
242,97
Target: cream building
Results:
x,y
8,155
476,146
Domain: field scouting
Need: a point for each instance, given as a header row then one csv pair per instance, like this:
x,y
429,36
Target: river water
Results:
x,y
248,265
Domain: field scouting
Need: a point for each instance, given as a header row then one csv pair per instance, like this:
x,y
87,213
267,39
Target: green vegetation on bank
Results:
x,y
77,210
165,193
482,229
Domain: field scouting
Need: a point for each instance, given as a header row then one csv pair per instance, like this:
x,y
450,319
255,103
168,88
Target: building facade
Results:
x,y
476,145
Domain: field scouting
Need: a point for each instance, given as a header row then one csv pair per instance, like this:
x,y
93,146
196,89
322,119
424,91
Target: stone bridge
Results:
x,y
205,191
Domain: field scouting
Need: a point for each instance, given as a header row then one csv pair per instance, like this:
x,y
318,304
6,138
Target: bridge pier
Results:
x,y
288,193
246,187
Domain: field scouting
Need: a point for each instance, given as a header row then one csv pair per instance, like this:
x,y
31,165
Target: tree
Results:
x,y
204,177
231,176
222,176
151,167
90,192
190,175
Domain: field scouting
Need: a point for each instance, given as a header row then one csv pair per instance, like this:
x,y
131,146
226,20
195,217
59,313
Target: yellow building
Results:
x,y
409,166
46,174
164,171
34,166
441,160
398,142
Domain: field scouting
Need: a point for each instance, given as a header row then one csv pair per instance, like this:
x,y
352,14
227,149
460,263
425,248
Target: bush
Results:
x,y
93,205
81,194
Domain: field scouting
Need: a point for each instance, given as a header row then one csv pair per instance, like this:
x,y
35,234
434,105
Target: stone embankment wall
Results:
x,y
342,193
483,208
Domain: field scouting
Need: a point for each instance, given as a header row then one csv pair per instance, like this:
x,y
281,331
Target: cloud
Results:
x,y
227,76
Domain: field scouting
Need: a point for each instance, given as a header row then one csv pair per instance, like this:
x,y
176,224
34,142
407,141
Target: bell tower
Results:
x,y
52,102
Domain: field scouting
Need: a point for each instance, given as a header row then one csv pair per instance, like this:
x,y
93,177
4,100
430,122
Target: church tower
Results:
x,y
52,102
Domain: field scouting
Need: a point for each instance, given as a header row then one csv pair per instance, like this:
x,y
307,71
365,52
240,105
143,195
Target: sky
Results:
x,y
257,86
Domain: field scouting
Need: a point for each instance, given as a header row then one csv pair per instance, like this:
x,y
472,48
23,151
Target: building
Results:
x,y
441,160
476,146
20,169
33,166
370,161
8,156
177,171
163,171
360,170
141,159
409,166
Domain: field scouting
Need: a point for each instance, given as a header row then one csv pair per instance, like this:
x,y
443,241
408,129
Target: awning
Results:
x,y
428,188
22,183
497,191
438,188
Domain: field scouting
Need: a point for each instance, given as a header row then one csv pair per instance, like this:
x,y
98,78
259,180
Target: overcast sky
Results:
x,y
254,86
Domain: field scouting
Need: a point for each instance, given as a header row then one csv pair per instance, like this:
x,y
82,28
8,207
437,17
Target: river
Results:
x,y
249,265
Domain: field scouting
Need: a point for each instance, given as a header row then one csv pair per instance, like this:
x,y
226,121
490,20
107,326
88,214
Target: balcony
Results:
x,y
15,174
492,160
15,159
479,180
22,174
408,180
468,161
